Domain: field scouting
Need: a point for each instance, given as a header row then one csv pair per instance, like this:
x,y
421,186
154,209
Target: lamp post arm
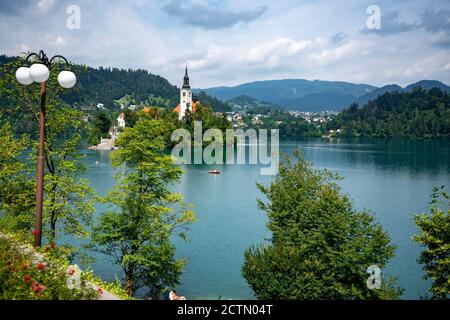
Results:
x,y
31,55
59,57
42,58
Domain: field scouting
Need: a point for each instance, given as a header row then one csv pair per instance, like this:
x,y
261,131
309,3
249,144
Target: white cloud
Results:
x,y
215,55
345,51
45,5
60,41
313,40
275,50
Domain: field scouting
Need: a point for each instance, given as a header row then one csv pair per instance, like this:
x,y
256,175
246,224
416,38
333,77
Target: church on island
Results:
x,y
188,101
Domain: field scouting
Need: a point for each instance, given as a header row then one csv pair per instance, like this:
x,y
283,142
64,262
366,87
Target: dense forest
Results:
x,y
107,86
216,105
419,113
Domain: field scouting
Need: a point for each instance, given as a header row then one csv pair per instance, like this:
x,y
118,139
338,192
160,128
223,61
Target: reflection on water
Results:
x,y
392,178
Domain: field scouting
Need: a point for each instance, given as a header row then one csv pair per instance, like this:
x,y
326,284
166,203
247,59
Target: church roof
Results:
x,y
194,107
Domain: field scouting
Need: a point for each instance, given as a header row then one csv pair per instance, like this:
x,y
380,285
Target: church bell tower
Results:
x,y
185,96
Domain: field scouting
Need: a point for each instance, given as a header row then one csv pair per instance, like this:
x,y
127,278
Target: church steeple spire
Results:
x,y
186,79
185,96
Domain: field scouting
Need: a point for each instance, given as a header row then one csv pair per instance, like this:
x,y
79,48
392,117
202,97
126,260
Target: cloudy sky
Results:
x,y
228,42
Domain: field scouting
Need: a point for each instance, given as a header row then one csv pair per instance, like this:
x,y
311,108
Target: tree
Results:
x,y
435,237
102,123
130,118
138,234
208,119
68,197
321,246
16,181
94,135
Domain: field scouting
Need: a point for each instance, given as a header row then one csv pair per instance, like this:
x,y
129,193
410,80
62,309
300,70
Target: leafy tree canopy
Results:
x,y
321,246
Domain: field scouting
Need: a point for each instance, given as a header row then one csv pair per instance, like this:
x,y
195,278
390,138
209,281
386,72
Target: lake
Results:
x,y
391,178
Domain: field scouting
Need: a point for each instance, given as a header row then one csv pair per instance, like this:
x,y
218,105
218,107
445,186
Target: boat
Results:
x,y
214,172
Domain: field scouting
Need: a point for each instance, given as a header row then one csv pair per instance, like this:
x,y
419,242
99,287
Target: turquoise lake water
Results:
x,y
391,178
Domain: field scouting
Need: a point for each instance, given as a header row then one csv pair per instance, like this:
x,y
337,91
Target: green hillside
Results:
x,y
418,113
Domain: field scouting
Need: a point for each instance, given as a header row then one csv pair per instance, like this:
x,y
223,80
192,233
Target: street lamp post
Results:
x,y
39,72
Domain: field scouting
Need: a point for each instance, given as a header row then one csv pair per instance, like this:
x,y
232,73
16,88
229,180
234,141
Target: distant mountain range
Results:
x,y
306,95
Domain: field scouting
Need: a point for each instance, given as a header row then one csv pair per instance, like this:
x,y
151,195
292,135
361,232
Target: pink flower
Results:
x,y
37,287
26,278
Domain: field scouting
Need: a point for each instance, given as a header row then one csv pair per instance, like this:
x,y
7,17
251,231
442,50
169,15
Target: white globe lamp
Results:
x,y
39,72
23,76
67,79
